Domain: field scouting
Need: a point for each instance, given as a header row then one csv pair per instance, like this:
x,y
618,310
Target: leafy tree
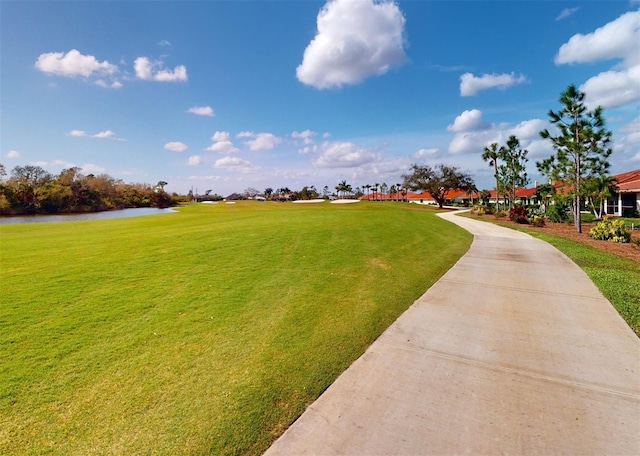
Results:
x,y
26,181
484,196
492,154
437,180
3,171
513,173
268,192
597,189
582,146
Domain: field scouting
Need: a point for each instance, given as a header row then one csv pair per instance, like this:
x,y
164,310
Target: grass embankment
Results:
x,y
617,278
203,332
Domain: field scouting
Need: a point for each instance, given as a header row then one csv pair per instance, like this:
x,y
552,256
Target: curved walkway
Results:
x,y
512,351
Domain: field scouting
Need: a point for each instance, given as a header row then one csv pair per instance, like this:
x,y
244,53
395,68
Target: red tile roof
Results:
x,y
629,181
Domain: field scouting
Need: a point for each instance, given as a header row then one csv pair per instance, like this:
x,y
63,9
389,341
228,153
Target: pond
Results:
x,y
122,213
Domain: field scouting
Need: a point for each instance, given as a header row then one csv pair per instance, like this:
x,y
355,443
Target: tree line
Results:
x,y
31,189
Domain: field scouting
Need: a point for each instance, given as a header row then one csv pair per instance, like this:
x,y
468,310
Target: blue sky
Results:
x,y
226,95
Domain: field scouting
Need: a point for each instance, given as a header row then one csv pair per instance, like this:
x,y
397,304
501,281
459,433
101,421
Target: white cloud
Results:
x,y
90,168
154,71
12,154
234,164
263,141
73,64
470,85
164,43
223,147
355,39
194,160
245,134
344,155
202,111
107,134
528,132
104,134
305,135
426,153
619,39
176,146
565,13
468,121
220,136
222,143
631,136
616,40
612,89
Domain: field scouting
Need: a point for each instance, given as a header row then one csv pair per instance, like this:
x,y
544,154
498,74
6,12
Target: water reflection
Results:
x,y
122,213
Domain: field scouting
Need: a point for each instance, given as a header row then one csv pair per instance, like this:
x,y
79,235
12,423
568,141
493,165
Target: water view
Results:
x,y
122,213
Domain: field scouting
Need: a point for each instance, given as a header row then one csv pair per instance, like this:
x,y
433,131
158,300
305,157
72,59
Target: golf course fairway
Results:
x,y
204,331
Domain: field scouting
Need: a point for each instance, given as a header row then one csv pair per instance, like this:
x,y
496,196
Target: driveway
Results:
x,y
512,351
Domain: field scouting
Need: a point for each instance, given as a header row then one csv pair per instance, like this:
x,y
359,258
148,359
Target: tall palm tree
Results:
x,y
375,190
491,154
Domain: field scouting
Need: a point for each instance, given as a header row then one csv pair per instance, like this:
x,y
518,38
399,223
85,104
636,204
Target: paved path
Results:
x,y
513,351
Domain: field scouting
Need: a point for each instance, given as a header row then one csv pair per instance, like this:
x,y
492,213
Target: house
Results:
x,y
626,199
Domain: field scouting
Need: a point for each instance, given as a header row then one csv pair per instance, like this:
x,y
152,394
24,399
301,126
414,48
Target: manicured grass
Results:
x,y
617,278
207,331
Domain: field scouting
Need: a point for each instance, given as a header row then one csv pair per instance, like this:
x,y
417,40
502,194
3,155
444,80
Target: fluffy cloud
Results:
x,y
343,155
74,64
470,85
355,39
263,141
528,132
234,164
468,121
176,146
631,131
90,168
245,134
423,154
12,154
194,160
154,71
107,134
620,40
304,135
612,89
565,13
222,143
201,111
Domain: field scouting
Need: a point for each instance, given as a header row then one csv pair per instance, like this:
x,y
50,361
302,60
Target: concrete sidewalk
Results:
x,y
513,351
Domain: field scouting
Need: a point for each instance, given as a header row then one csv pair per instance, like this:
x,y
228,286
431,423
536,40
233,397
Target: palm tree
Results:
x,y
375,190
383,188
491,154
367,186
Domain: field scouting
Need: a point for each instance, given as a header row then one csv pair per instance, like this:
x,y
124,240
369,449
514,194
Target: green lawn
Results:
x,y
206,331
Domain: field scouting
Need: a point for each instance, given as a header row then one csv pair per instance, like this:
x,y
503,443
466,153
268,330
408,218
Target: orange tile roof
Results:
x,y
629,181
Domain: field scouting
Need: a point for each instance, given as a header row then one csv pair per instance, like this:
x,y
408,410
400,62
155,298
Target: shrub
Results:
x,y
630,213
478,210
519,214
611,230
557,213
499,214
537,221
